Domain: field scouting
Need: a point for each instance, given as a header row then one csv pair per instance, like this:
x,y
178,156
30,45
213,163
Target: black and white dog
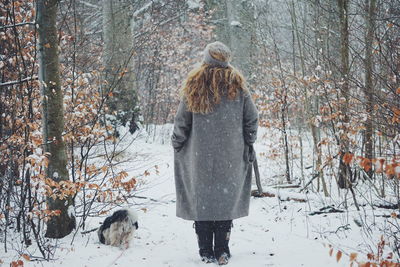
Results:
x,y
118,229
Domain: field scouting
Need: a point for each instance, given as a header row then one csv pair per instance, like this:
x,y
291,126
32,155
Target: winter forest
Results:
x,y
88,94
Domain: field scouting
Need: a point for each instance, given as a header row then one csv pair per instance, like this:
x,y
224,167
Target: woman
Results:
x,y
215,126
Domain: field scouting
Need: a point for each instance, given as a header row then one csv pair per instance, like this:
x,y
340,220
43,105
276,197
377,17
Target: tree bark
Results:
x,y
344,175
118,58
369,87
285,135
53,117
315,131
234,26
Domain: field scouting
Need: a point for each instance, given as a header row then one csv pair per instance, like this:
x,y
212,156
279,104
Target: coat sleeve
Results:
x,y
250,120
182,126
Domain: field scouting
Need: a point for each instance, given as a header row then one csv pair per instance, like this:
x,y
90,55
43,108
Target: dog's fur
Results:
x,y
118,229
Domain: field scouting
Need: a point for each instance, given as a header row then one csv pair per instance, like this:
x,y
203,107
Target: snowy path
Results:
x,y
267,237
275,234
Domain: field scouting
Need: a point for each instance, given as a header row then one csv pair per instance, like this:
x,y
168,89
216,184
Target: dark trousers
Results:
x,y
217,231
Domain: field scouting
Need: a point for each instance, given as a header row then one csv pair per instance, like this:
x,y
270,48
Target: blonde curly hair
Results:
x,y
205,84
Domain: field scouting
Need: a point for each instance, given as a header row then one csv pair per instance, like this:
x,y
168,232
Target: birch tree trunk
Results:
x,y
53,117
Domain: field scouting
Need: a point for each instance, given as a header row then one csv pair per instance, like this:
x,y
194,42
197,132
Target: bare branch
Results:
x,y
33,78
18,25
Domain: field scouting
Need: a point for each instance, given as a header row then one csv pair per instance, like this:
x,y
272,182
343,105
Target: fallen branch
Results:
x,y
394,215
390,206
302,200
255,193
326,210
287,186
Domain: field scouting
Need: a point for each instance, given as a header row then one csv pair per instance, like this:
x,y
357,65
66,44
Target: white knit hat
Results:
x,y
217,48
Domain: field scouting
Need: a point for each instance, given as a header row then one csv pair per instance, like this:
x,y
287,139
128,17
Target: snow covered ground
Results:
x,y
277,233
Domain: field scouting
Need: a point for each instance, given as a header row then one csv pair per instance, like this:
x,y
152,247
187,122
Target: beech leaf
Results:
x,y
26,257
338,256
353,256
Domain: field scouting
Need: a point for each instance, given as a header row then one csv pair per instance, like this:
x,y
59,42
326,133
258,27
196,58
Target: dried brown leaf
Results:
x,y
353,256
26,257
331,252
338,256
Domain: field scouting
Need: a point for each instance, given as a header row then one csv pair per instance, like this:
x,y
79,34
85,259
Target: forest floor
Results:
x,y
278,232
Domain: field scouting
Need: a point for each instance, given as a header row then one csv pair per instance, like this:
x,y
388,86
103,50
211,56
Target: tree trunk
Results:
x,y
118,58
369,87
285,135
316,131
53,117
344,175
234,26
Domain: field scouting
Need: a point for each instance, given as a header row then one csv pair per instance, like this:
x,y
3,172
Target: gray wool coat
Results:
x,y
212,160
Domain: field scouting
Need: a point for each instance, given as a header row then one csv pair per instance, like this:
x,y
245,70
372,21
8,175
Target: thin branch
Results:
x,y
20,81
17,25
89,231
90,4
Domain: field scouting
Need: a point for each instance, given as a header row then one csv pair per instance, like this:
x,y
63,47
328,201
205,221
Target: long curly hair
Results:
x,y
205,85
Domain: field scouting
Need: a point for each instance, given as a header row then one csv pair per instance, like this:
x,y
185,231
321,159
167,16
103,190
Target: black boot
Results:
x,y
222,233
204,231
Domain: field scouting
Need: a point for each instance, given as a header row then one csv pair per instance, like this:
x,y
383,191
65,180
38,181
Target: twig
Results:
x,y
17,25
344,227
20,81
315,175
354,195
89,231
113,262
369,179
149,198
90,5
309,182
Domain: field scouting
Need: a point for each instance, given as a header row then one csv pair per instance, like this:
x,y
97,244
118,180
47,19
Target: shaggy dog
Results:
x,y
117,229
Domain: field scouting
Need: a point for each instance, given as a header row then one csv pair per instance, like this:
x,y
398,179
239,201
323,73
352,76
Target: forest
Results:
x,y
88,94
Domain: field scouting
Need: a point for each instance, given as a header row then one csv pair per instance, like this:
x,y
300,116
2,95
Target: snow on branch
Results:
x,y
18,82
17,25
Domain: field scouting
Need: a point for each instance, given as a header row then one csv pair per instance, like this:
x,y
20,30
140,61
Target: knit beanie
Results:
x,y
217,48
